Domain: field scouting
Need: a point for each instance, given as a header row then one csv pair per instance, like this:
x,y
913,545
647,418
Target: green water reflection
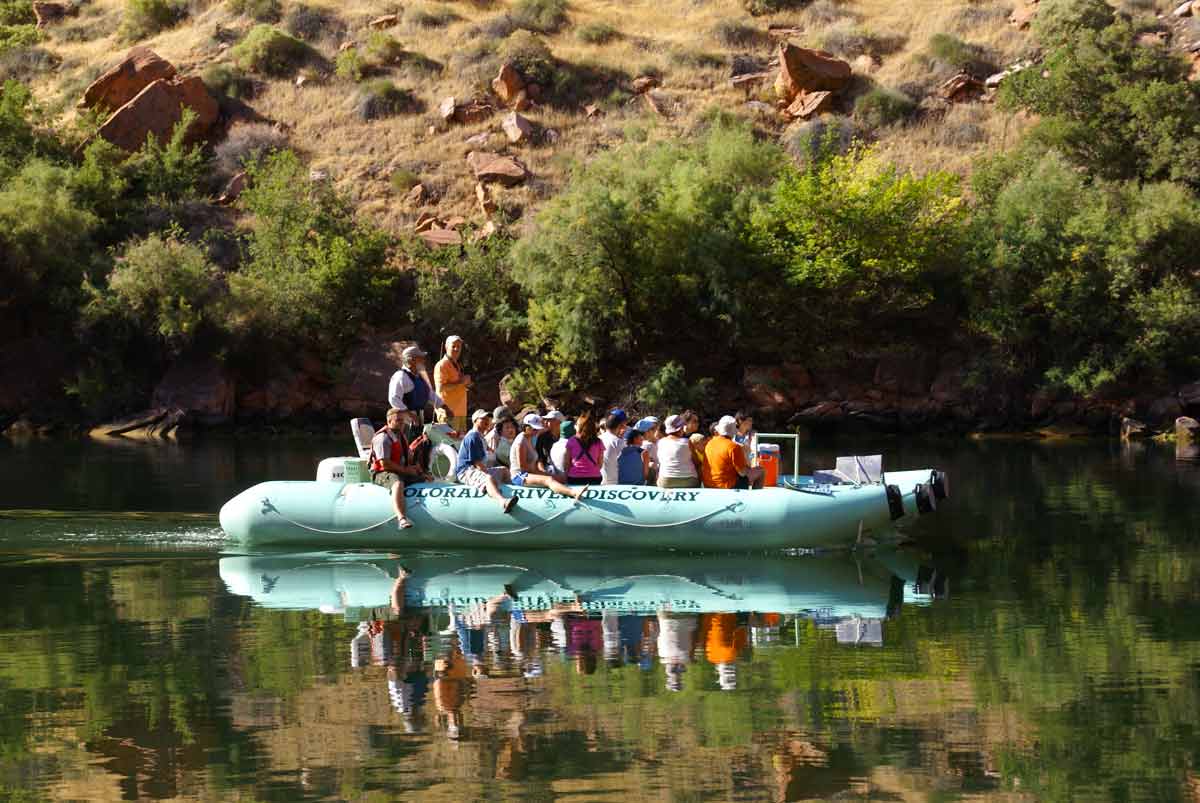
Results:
x,y
1042,642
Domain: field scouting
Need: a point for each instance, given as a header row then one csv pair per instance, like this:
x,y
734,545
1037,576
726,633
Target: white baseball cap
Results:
x,y
554,415
533,420
478,414
411,352
727,426
673,424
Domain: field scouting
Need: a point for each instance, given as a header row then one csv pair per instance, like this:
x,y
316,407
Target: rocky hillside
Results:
x,y
638,141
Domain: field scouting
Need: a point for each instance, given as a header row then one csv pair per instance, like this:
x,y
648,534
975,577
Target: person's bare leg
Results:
x,y
542,481
493,490
756,476
398,500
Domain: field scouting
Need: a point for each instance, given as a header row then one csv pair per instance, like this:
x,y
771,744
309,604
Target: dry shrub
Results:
x,y
245,144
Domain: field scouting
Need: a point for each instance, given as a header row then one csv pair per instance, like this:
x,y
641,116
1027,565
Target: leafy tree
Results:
x,y
1118,108
1082,284
162,285
868,249
312,273
645,250
45,236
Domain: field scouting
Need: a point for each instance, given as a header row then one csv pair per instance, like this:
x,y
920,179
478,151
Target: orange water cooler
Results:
x,y
768,459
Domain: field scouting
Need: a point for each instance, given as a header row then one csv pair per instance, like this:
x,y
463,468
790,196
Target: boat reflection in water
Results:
x,y
444,623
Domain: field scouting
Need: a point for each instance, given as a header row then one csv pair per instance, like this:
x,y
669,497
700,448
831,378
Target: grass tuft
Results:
x,y
270,51
541,16
883,106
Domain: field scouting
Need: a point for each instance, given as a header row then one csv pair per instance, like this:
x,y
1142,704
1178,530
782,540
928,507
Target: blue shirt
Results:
x,y
630,470
470,451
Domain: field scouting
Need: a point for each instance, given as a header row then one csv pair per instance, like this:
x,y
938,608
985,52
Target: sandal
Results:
x,y
579,498
403,523
509,504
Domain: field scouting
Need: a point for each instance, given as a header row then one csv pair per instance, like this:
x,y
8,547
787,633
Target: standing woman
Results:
x,y
452,384
585,452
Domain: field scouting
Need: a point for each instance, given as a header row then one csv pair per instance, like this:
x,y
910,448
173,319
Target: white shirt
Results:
x,y
613,444
401,384
675,458
651,448
675,634
558,455
522,443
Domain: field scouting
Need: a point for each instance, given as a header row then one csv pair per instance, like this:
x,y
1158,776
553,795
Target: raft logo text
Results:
x,y
593,494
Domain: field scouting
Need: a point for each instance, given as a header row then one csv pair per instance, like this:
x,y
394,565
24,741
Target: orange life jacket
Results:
x,y
399,452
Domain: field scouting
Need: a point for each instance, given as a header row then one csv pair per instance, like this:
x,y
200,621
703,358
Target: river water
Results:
x,y
1040,640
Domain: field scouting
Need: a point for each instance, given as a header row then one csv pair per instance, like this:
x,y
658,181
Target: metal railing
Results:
x,y
786,436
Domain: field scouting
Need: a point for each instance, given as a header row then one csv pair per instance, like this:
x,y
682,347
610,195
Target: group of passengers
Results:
x,y
549,450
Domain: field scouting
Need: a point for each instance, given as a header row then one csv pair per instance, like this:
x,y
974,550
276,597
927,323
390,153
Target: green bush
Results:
x,y
869,248
258,10
17,12
759,7
270,51
162,285
13,37
430,16
1112,106
883,106
959,55
18,139
313,274
383,49
597,33
350,65
1080,283
542,16
172,170
646,240
382,98
145,18
225,81
668,388
530,56
45,236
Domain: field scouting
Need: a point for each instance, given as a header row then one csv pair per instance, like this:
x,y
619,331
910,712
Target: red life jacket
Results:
x,y
399,451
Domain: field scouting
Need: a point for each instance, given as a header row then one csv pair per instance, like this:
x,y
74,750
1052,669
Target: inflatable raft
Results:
x,y
800,512
830,587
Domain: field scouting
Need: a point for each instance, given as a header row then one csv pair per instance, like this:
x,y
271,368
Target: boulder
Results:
x,y
157,109
1187,429
491,167
447,108
1022,15
487,205
961,88
644,83
1132,429
808,104
203,390
233,188
805,70
517,128
425,221
508,84
121,84
49,13
385,21
416,196
440,238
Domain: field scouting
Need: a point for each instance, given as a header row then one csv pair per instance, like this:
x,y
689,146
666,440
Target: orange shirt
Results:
x,y
722,460
455,396
723,637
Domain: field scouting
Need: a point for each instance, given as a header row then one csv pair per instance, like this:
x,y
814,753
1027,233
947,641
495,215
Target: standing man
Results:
x,y
471,468
410,389
613,438
391,466
452,384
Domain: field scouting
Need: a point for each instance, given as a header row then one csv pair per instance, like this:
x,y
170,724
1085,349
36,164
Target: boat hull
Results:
x,y
612,517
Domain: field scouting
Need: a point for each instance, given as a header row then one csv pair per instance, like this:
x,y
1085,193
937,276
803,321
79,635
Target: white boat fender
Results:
x,y
895,502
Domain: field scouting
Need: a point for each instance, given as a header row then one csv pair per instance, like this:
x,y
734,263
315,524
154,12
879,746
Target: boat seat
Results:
x,y
363,432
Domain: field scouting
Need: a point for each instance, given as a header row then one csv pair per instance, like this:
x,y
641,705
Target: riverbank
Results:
x,y
889,394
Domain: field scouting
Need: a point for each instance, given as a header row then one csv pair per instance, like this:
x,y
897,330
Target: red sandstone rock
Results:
x,y
157,109
119,85
805,70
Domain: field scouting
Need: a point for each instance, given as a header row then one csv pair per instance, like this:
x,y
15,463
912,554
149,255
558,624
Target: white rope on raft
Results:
x,y
733,507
